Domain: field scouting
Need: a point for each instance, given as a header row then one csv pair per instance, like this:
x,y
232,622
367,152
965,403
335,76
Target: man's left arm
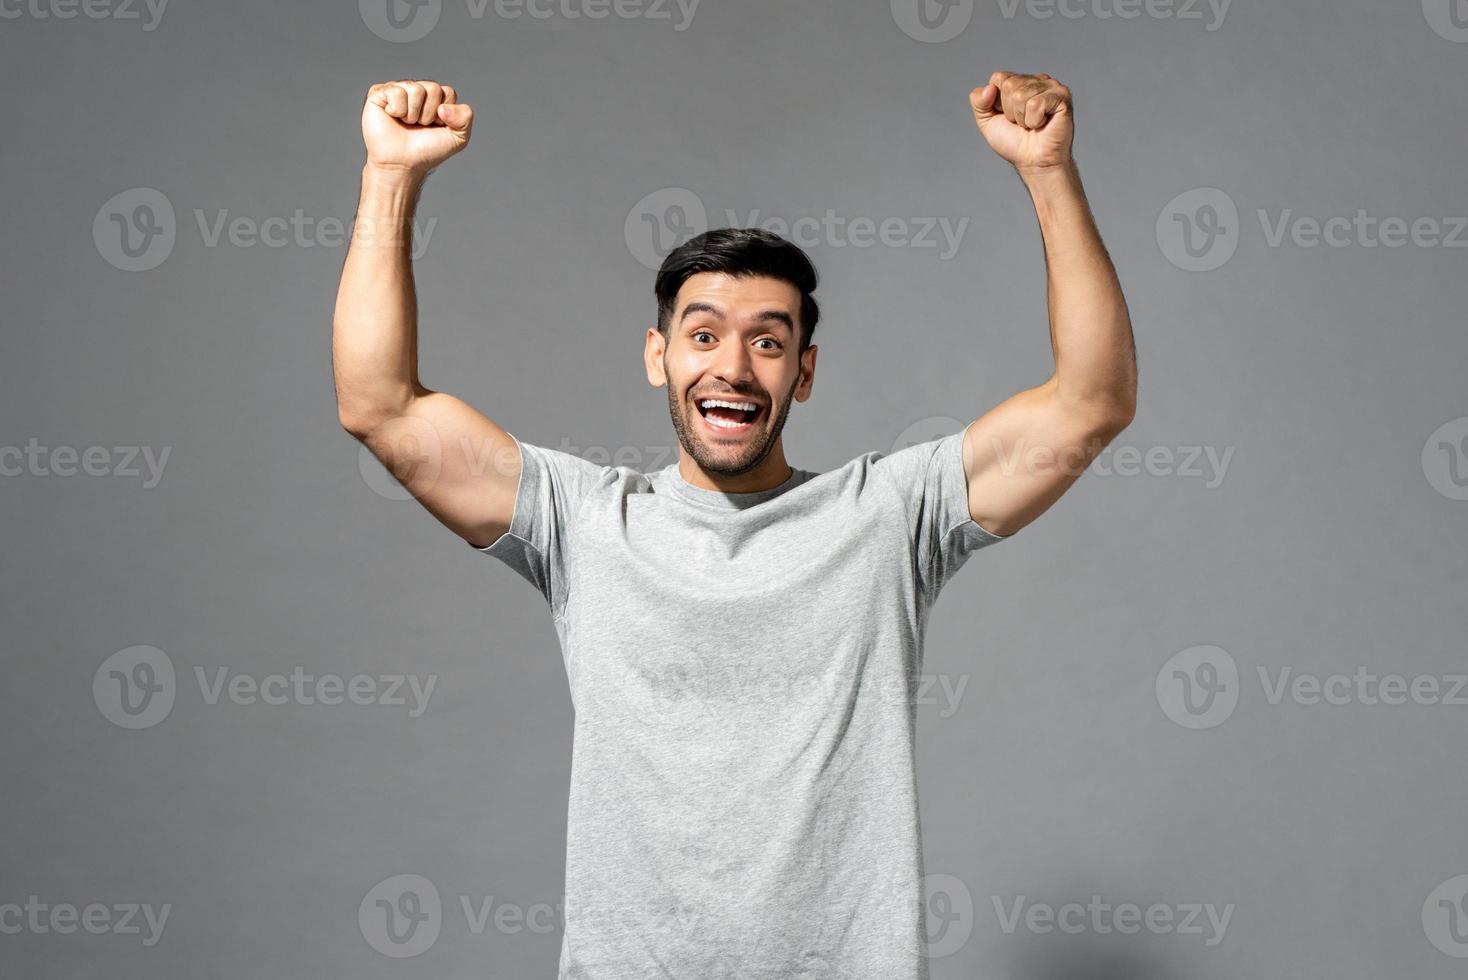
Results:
x,y
1023,454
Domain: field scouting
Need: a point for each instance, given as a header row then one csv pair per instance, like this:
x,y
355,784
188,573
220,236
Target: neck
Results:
x,y
771,472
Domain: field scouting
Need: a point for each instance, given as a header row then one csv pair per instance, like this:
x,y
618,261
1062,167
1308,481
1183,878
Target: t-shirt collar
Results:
x,y
723,499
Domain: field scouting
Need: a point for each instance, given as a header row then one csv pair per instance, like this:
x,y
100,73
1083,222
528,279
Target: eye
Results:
x,y
770,340
701,333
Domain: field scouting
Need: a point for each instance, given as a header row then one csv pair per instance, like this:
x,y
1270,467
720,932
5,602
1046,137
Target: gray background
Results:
x,y
1059,774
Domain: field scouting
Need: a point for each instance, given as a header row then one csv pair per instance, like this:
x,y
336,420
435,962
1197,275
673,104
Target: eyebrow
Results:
x,y
764,316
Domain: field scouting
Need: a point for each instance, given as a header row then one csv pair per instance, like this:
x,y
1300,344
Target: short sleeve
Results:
x,y
548,498
930,479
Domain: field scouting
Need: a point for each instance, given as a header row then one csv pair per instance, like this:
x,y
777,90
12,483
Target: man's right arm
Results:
x,y
460,465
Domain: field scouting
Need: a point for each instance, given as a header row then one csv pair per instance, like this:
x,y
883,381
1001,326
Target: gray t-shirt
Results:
x,y
744,669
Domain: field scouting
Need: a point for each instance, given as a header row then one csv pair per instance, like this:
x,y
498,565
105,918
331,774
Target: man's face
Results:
x,y
733,340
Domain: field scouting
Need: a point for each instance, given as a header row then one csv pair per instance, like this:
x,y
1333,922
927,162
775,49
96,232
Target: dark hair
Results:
x,y
739,252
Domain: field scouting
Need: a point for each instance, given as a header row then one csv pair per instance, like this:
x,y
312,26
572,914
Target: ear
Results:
x,y
807,373
652,357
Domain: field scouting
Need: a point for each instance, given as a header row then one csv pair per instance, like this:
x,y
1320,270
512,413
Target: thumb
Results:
x,y
457,117
984,101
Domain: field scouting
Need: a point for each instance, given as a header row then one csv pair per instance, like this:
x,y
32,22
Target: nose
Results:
x,y
733,365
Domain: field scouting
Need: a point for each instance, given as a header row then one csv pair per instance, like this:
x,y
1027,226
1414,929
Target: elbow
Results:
x,y
1116,408
357,423
1123,412
353,424
360,413
1109,418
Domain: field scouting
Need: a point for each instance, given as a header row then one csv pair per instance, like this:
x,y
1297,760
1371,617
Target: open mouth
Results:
x,y
729,414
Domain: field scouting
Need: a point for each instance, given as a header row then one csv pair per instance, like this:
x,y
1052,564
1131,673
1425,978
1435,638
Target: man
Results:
x,y
742,638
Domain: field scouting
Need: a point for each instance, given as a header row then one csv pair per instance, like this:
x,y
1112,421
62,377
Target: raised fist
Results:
x,y
414,126
1026,119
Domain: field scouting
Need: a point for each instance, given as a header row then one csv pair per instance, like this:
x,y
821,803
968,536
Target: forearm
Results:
x,y
374,329
1090,328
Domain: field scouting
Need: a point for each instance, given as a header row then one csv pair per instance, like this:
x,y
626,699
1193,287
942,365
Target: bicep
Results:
x,y
455,461
1022,455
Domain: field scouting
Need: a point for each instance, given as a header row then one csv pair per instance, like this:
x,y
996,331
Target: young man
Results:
x,y
742,638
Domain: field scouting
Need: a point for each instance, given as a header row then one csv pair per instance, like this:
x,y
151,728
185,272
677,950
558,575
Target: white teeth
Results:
x,y
741,406
724,425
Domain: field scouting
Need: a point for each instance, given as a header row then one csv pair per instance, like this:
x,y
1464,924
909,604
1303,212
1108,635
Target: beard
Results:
x,y
749,454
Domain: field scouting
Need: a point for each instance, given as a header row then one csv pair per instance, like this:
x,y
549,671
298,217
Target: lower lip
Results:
x,y
733,430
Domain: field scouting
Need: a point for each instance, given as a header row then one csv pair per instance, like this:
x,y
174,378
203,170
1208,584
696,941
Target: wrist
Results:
x,y
393,177
1041,179
389,192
